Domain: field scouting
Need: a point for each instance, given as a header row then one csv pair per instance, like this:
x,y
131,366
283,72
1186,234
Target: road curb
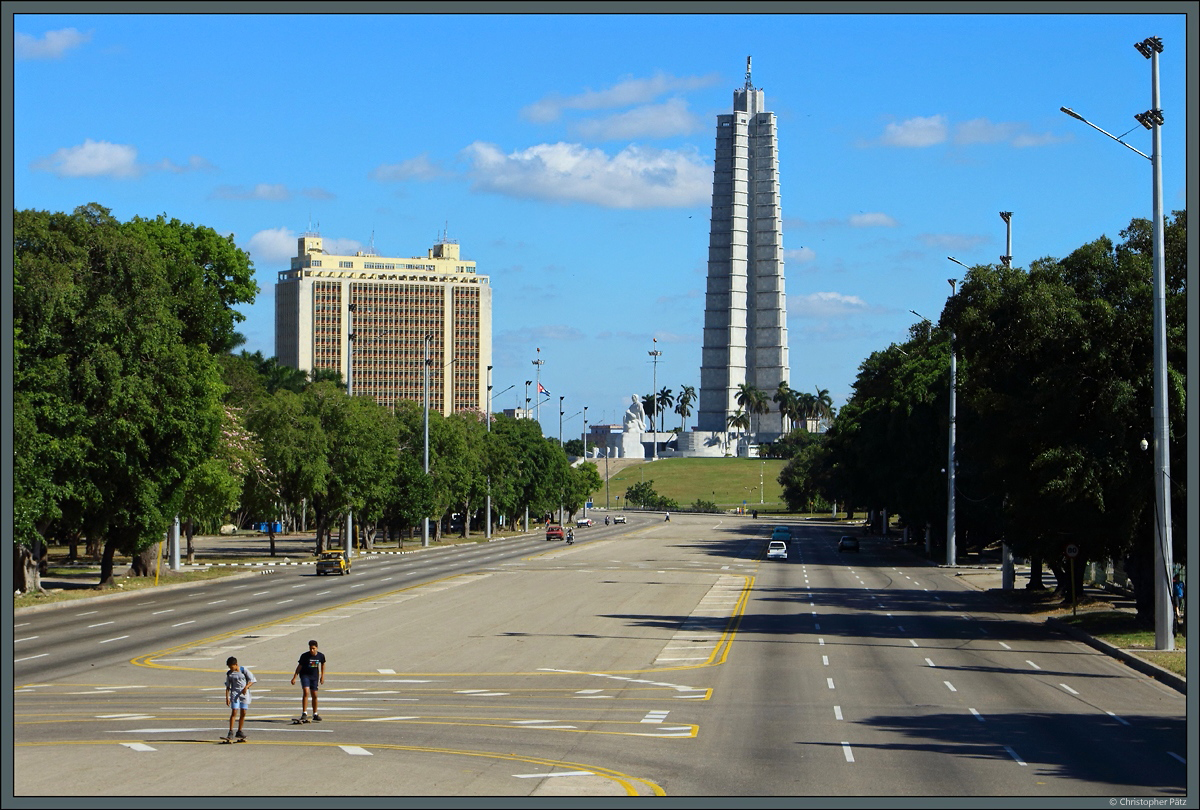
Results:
x,y
1131,660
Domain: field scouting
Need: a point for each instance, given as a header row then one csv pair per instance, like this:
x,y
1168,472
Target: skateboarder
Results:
x,y
237,697
310,669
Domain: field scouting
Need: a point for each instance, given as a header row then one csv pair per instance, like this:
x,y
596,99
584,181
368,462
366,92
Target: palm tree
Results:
x,y
785,398
664,400
648,405
752,399
805,408
687,395
739,419
823,405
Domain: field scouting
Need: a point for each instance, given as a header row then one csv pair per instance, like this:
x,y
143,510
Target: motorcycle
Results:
x,y
606,520
570,537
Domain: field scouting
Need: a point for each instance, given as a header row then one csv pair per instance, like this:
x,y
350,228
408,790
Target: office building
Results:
x,y
390,306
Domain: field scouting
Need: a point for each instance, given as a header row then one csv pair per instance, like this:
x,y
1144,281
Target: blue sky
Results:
x,y
571,158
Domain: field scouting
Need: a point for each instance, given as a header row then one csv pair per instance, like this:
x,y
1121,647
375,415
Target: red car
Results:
x,y
555,532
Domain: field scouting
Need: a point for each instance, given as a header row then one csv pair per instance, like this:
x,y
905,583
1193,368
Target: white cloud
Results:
x,y
101,158
825,305
873,219
636,177
622,94
52,45
800,255
273,245
981,130
916,132
342,247
418,168
672,117
92,159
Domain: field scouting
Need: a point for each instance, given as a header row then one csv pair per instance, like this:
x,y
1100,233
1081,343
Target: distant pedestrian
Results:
x,y
238,681
310,669
1177,591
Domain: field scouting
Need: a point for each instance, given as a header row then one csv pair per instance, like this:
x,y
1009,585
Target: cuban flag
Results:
x,y
542,390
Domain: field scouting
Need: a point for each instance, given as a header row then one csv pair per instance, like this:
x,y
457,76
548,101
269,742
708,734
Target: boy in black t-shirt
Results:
x,y
310,669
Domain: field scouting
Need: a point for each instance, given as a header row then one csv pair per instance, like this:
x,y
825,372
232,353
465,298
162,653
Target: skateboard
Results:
x,y
231,740
297,721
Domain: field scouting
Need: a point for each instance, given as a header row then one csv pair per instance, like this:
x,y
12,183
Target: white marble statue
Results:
x,y
635,417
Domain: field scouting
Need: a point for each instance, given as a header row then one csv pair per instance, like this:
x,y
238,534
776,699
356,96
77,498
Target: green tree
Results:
x,y
208,275
641,494
582,481
683,405
663,400
138,396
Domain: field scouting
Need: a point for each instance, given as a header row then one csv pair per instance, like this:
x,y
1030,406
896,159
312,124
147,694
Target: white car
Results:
x,y
618,519
777,550
579,524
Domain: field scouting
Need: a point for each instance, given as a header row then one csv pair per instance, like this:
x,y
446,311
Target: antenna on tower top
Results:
x,y
748,83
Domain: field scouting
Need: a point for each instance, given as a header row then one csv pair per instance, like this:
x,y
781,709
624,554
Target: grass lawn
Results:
x,y
79,582
1121,629
728,482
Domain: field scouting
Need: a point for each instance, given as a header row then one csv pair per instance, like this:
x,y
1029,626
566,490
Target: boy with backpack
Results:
x,y
237,697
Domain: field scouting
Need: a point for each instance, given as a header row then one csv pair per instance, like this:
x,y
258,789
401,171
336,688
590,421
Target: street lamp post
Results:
x,y
583,438
425,519
1152,119
654,393
538,391
348,541
487,514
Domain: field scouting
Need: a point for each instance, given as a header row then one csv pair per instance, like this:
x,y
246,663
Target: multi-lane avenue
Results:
x,y
654,658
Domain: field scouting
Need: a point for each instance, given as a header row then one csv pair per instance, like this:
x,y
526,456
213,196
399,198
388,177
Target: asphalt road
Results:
x,y
649,659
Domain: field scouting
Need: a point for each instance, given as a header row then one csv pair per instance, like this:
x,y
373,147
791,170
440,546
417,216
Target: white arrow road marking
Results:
x,y
356,750
139,747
